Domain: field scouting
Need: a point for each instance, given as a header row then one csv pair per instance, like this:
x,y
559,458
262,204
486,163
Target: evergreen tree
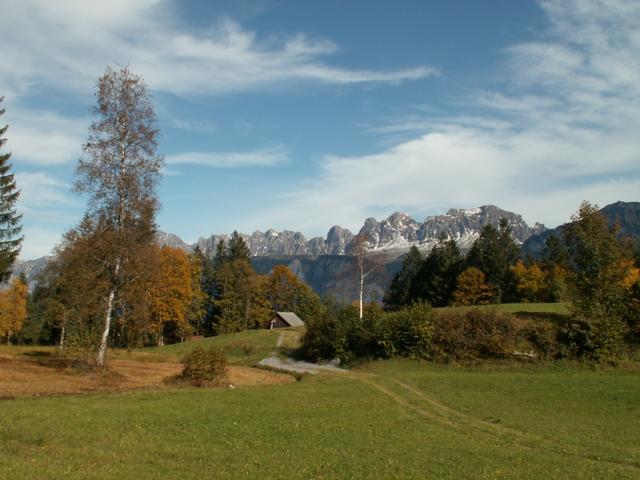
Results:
x,y
10,221
438,276
495,252
238,249
204,281
221,255
401,290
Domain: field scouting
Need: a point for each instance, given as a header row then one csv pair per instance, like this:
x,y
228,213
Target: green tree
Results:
x,y
555,264
402,288
495,252
237,248
438,277
10,221
119,172
599,264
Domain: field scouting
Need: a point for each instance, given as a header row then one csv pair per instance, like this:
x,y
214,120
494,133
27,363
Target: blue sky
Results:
x,y
301,115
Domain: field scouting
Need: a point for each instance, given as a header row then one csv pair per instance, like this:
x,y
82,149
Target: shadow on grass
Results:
x,y
557,318
38,354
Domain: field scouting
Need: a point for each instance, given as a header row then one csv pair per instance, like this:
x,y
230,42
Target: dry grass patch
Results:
x,y
28,375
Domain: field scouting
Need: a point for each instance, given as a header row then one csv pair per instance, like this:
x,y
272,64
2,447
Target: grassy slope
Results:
x,y
244,348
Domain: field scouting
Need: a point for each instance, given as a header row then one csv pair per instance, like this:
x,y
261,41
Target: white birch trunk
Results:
x,y
104,339
361,294
61,343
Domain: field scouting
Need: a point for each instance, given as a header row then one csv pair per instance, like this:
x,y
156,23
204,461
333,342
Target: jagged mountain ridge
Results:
x,y
392,237
397,233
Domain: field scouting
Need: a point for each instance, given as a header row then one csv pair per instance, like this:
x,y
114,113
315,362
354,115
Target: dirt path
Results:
x,y
291,339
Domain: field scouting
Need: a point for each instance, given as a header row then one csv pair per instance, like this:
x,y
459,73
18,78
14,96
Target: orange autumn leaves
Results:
x,y
173,290
13,307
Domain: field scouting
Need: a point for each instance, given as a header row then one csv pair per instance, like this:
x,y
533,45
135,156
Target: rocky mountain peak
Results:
x,y
397,232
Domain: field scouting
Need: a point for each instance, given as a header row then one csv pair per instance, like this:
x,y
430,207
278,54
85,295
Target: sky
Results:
x,y
300,115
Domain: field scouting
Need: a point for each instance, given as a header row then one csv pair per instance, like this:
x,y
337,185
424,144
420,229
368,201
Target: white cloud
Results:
x,y
43,137
561,129
67,43
38,242
260,158
45,198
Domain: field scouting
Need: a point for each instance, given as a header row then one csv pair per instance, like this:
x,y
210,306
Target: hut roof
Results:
x,y
290,319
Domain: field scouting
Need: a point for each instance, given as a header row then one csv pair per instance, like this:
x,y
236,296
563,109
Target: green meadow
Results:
x,y
387,419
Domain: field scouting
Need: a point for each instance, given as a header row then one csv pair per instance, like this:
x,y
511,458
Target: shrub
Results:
x,y
409,332
474,333
205,366
542,335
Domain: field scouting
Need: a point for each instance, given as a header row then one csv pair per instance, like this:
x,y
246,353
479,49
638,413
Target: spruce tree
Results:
x,y
400,291
437,279
494,253
10,221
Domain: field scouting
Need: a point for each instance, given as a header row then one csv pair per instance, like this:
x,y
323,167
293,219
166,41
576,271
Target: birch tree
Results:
x,y
367,264
119,171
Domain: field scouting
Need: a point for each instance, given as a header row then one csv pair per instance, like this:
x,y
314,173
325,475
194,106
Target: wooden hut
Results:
x,y
284,319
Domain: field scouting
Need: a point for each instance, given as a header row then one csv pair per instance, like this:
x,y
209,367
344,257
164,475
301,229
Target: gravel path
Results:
x,y
290,365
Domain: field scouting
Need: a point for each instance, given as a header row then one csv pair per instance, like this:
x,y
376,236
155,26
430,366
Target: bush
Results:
x,y
205,366
409,332
598,337
474,333
543,337
341,334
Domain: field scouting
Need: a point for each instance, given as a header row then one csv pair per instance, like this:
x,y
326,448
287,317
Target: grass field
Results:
x,y
524,308
391,419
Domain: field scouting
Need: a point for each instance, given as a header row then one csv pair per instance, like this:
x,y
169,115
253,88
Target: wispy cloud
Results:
x,y
44,137
260,158
562,128
65,44
45,198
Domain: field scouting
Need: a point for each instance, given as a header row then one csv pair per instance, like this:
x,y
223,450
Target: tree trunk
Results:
x,y
104,340
102,349
61,343
160,339
361,292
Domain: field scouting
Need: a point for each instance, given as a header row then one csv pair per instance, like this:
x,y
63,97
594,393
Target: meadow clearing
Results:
x,y
386,419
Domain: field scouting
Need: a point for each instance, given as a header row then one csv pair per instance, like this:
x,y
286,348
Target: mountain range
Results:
x,y
393,235
325,263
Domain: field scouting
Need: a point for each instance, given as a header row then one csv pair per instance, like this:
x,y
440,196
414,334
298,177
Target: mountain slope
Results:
x,y
624,214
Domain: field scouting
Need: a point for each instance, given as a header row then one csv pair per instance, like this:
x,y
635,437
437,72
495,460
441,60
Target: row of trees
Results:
x,y
488,274
590,265
108,282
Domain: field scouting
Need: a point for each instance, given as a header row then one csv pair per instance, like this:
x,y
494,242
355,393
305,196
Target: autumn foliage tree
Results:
x,y
472,288
287,293
119,172
171,293
13,308
531,282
